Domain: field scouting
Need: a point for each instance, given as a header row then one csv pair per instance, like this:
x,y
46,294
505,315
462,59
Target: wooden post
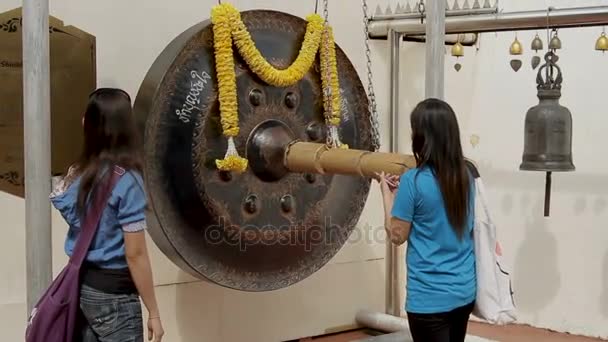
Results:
x,y
435,49
37,147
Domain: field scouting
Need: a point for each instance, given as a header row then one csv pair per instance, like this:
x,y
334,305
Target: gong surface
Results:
x,y
263,229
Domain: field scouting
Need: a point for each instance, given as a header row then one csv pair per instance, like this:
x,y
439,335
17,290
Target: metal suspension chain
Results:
x,y
422,10
373,118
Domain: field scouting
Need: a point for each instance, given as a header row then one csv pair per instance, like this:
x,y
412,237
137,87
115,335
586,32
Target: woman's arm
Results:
x,y
132,218
138,260
397,230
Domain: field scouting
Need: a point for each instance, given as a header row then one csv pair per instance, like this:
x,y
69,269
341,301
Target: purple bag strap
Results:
x,y
91,219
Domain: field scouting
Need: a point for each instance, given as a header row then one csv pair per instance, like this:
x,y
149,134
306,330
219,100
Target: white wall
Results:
x,y
560,264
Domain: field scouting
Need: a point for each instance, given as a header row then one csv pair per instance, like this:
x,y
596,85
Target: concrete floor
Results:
x,y
511,333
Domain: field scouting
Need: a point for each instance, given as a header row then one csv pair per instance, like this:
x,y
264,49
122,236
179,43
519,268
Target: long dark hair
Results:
x,y
110,138
436,144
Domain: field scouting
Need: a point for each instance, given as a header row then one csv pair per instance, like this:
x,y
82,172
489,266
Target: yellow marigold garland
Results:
x,y
227,91
269,74
328,61
228,26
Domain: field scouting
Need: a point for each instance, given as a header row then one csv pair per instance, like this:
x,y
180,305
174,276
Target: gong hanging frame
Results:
x,y
266,228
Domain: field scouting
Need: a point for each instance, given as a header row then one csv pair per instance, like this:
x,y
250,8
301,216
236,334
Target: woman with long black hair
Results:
x,y
117,267
432,207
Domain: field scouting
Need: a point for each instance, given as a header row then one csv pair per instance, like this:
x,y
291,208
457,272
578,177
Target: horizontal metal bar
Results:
x,y
466,39
513,21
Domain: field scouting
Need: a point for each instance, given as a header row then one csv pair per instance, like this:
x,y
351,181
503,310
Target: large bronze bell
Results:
x,y
548,128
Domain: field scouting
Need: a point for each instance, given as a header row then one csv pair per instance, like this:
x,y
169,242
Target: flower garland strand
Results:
x,y
269,74
228,27
333,103
226,76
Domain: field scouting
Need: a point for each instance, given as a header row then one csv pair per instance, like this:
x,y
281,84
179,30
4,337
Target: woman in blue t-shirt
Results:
x,y
431,207
117,267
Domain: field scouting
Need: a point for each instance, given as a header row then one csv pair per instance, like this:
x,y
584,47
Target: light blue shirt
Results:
x,y
440,265
124,212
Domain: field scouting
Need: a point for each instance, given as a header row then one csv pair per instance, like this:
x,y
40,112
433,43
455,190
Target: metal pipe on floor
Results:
x,y
382,322
37,147
392,252
510,21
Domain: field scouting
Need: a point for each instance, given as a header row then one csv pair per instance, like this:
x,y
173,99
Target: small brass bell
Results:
x,y
602,43
457,50
555,43
516,48
537,43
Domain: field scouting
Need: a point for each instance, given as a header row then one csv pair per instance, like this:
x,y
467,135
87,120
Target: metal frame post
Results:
x,y
435,41
392,252
37,147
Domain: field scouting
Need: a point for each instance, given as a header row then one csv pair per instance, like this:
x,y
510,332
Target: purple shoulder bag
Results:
x,y
53,319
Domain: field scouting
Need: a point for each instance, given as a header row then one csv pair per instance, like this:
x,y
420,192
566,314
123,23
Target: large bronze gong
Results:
x,y
267,228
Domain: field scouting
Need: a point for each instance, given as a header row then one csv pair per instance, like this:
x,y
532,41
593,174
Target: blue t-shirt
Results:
x,y
124,213
440,265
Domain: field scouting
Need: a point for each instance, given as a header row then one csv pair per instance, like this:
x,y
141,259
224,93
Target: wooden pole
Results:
x,y
305,157
37,147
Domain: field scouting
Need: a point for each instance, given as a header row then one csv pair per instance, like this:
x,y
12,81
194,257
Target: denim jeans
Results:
x,y
110,317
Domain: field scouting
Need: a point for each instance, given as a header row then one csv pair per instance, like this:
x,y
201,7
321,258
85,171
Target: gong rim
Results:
x,y
167,178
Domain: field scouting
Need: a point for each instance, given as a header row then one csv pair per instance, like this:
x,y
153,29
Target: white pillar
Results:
x,y
37,147
435,48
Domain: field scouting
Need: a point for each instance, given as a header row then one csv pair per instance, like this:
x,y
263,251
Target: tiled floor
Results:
x,y
522,333
512,333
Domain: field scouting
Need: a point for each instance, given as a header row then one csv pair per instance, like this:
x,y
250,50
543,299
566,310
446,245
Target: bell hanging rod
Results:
x,y
448,13
509,21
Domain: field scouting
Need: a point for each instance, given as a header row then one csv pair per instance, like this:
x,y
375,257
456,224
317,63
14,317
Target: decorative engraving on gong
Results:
x,y
73,77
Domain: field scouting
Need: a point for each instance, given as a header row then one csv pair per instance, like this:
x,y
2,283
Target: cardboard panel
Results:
x,y
73,77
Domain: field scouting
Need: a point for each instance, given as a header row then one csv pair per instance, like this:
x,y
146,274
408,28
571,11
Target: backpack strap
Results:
x,y
90,221
472,168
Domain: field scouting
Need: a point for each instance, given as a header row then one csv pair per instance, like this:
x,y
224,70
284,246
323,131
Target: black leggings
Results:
x,y
441,327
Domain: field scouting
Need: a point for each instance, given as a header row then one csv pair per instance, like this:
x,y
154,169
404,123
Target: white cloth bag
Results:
x,y
494,302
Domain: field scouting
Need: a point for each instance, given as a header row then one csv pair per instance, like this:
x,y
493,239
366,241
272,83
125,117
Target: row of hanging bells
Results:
x,y
516,49
548,125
